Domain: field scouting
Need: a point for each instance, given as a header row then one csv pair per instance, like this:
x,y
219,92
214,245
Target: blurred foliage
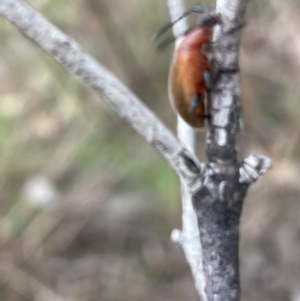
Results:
x,y
87,206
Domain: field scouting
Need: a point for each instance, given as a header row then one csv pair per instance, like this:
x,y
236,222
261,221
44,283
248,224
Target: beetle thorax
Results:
x,y
197,38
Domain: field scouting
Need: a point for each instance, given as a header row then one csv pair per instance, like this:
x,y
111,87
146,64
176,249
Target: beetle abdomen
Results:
x,y
186,80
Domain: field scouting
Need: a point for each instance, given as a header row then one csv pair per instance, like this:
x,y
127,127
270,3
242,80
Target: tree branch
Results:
x,y
67,52
188,238
218,203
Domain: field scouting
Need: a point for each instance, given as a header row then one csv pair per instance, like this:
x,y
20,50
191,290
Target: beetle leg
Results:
x,y
222,70
235,28
196,101
228,70
208,47
208,79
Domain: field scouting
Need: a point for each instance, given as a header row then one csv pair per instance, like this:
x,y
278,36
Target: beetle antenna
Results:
x,y
163,45
194,9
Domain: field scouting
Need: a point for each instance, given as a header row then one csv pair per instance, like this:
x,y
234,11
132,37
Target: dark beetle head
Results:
x,y
209,20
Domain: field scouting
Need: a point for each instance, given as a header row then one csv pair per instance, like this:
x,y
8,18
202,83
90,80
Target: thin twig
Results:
x,y
188,237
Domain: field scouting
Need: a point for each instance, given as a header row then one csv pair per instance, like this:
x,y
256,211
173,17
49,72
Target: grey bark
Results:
x,y
218,203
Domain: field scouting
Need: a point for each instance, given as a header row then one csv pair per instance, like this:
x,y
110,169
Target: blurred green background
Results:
x,y
87,206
